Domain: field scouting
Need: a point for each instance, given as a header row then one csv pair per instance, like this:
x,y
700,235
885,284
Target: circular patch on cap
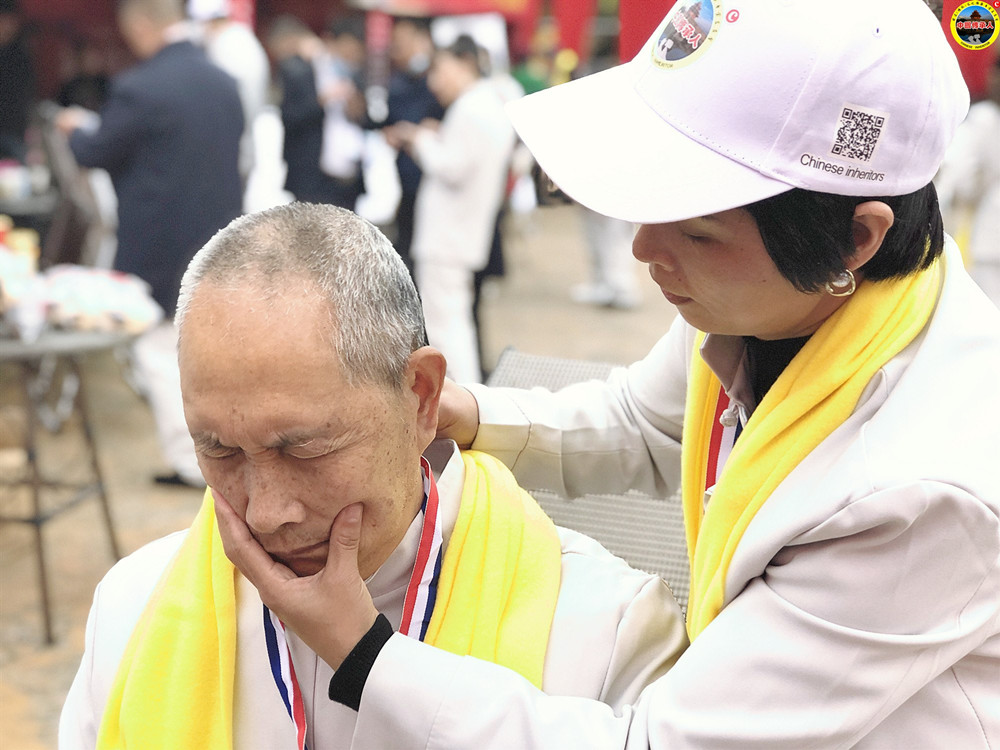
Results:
x,y
974,25
688,29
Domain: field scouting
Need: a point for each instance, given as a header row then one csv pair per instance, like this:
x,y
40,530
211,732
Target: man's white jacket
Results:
x,y
614,631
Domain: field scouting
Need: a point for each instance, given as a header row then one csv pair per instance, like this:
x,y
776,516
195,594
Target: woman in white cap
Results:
x,y
839,419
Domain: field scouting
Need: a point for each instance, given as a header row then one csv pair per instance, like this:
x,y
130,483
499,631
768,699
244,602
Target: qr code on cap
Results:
x,y
858,133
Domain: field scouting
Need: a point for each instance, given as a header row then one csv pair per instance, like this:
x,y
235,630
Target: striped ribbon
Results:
x,y
422,589
283,672
418,606
726,428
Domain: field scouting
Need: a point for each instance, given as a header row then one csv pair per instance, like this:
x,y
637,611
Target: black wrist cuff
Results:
x,y
348,682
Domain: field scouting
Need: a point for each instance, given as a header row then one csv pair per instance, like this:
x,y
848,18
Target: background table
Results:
x,y
36,364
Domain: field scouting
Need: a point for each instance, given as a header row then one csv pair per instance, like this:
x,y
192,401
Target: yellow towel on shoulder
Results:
x,y
174,686
496,597
500,573
814,395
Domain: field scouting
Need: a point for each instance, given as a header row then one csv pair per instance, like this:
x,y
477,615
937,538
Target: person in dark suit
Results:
x,y
169,137
295,49
17,81
410,100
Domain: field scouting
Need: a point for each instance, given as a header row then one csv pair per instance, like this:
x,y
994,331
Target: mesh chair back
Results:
x,y
647,532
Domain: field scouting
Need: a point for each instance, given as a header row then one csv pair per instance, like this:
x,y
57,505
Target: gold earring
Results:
x,y
842,284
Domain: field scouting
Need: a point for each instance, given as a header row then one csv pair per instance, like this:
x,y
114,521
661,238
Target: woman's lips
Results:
x,y
674,299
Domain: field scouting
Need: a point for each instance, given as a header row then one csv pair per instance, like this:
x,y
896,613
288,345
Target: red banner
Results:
x,y
638,19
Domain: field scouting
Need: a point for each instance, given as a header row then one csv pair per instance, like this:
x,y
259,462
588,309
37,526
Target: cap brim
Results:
x,y
606,148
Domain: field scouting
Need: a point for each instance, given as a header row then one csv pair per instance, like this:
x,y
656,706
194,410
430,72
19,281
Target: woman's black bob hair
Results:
x,y
809,235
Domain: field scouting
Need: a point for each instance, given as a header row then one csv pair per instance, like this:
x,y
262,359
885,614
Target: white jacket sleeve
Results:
x,y
595,437
80,717
625,621
787,665
649,640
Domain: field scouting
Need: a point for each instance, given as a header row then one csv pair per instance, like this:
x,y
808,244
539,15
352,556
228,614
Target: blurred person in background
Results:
x,y
339,82
410,100
89,82
234,47
968,184
169,136
297,52
612,269
17,81
464,162
612,281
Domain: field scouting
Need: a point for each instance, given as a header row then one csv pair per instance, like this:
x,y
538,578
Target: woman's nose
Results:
x,y
650,246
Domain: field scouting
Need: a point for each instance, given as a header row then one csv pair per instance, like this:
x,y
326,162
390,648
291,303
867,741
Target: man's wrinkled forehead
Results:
x,y
250,291
218,310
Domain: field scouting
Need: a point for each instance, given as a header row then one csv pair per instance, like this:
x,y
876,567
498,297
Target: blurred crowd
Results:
x,y
321,119
212,120
400,119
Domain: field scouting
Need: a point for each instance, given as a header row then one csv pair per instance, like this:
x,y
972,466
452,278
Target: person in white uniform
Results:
x,y
832,433
233,46
310,396
464,160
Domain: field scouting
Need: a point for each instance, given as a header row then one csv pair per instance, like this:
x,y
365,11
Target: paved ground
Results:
x,y
530,309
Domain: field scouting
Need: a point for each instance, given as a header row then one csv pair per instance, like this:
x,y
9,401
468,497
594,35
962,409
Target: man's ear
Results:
x,y
424,380
872,219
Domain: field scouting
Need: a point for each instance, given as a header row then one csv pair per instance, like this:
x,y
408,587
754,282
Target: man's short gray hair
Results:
x,y
376,318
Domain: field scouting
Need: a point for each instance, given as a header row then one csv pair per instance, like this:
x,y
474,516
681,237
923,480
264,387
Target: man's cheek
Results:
x,y
230,492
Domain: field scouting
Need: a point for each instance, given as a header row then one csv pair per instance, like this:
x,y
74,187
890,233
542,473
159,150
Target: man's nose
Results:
x,y
648,246
271,499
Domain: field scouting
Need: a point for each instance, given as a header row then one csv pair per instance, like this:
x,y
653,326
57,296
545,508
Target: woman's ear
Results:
x,y
424,379
871,222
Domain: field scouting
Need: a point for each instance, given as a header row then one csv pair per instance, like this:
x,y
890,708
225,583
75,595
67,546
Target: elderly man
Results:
x,y
310,396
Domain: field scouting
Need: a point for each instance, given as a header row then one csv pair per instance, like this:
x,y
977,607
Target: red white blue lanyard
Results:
x,y
283,672
418,605
726,428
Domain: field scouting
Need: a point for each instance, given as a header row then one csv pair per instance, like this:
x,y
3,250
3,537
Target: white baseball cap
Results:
x,y
733,101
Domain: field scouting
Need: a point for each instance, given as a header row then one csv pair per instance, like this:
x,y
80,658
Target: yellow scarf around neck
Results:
x,y
500,573
816,392
496,597
174,685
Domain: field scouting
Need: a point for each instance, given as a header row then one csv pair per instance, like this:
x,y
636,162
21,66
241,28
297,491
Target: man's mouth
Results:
x,y
299,553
